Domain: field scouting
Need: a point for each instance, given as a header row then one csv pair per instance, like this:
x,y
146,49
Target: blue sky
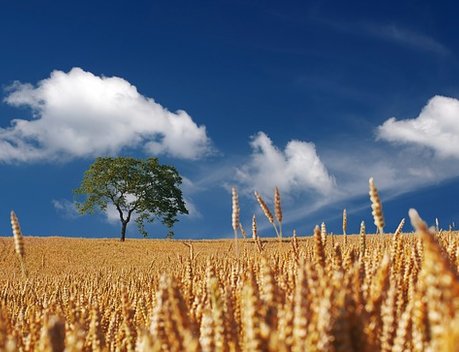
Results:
x,y
315,97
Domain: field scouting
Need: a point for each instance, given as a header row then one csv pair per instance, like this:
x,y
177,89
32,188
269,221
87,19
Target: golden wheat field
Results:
x,y
321,293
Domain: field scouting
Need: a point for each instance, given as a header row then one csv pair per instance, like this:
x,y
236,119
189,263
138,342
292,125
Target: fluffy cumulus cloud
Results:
x,y
297,168
78,114
436,127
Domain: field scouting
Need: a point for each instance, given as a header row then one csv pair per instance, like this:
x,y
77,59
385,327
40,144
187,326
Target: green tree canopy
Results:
x,y
138,188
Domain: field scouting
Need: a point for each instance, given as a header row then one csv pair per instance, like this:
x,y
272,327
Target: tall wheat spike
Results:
x,y
344,222
264,207
278,209
362,240
254,228
319,246
376,207
18,241
235,217
323,233
396,250
267,212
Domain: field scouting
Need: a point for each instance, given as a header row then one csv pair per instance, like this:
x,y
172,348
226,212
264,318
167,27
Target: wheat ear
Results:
x,y
254,228
278,210
18,241
235,217
376,207
344,226
323,233
266,211
362,240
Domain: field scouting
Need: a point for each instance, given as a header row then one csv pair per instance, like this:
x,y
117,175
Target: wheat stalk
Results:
x,y
376,207
18,241
278,210
345,225
254,228
319,246
323,233
243,232
267,212
235,217
362,240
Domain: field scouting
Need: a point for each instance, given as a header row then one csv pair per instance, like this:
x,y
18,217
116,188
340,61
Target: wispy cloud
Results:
x,y
189,188
66,208
390,32
193,211
406,37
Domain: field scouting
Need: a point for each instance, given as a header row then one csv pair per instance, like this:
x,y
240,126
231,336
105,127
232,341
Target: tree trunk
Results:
x,y
123,231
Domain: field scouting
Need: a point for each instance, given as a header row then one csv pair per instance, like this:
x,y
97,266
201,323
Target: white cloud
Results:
x,y
66,208
436,127
189,188
112,216
193,211
296,169
79,114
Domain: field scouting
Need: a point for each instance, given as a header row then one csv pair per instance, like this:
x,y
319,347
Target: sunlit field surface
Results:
x,y
321,293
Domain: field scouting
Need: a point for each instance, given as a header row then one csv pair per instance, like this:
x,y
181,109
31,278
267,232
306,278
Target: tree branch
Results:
x,y
120,211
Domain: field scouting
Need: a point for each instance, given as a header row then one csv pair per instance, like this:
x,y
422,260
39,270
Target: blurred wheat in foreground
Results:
x,y
321,293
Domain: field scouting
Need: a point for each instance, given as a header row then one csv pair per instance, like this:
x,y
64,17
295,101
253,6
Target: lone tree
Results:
x,y
138,188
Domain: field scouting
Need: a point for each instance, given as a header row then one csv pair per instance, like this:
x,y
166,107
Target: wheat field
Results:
x,y
367,292
321,293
